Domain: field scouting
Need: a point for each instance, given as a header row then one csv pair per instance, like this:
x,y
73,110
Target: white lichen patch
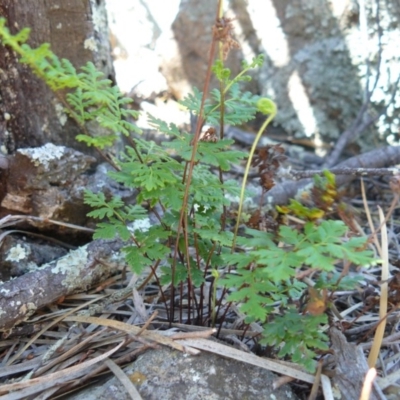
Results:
x,y
62,117
142,225
195,377
31,266
27,309
17,253
90,44
248,202
70,265
99,16
42,155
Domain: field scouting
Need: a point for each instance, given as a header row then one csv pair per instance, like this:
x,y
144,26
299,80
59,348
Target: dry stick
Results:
x,y
194,335
121,376
221,179
379,158
367,386
38,235
94,372
354,131
15,219
35,385
345,171
374,231
98,370
314,389
41,369
388,341
380,331
147,323
347,136
326,387
133,330
48,326
369,218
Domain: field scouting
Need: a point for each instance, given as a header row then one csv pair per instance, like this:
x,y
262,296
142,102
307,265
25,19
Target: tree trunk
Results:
x,y
30,114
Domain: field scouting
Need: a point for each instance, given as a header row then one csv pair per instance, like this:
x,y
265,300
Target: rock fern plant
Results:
x,y
182,184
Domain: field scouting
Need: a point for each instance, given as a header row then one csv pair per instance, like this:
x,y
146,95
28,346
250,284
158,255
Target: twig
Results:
x,y
194,335
10,220
121,376
345,171
147,323
133,330
383,303
314,389
367,387
36,385
379,158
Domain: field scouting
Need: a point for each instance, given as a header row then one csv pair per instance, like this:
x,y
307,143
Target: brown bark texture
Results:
x,y
30,114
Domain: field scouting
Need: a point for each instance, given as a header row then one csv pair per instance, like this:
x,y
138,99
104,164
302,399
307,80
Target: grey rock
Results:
x,y
21,255
171,375
47,182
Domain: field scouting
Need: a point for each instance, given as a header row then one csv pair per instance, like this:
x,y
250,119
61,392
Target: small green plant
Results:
x,y
181,182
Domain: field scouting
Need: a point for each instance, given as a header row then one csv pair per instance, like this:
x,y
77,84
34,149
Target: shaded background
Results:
x,y
324,60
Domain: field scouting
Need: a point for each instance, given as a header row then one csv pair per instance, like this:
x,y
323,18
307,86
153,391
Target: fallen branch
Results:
x,y
79,270
345,171
381,158
351,368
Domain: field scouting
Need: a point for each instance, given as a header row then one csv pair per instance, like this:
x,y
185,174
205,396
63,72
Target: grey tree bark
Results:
x,y
30,115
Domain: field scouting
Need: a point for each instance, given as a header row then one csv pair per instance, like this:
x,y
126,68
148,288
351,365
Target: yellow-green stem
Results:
x,y
246,173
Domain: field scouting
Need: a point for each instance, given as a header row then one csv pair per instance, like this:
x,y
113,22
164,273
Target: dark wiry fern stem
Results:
x,y
183,219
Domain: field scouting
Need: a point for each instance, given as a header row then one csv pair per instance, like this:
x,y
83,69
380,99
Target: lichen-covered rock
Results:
x,y
170,375
47,166
47,182
21,255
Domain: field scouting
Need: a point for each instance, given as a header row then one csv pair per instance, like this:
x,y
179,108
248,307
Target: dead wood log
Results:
x,y
351,368
76,272
381,158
